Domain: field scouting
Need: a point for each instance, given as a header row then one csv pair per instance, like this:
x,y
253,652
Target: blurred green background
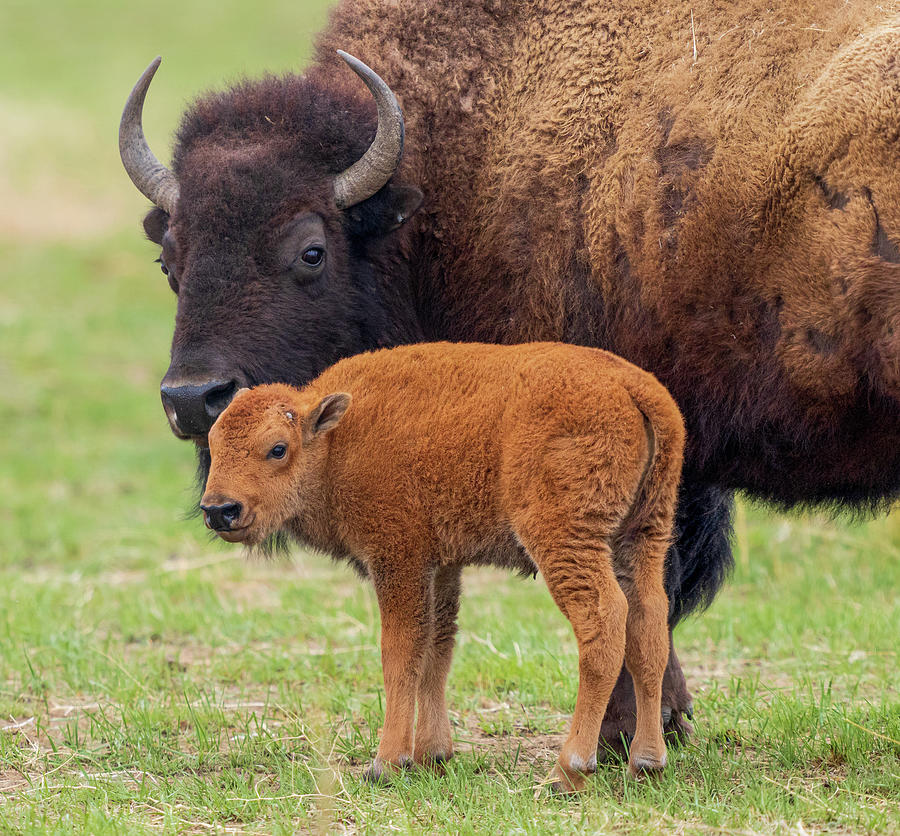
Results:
x,y
151,680
85,316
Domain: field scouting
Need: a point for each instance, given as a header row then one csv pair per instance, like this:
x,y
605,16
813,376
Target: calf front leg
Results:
x,y
404,598
433,734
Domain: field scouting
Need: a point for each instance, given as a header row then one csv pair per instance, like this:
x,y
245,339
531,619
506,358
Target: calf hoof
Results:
x,y
571,779
646,764
382,772
433,760
566,783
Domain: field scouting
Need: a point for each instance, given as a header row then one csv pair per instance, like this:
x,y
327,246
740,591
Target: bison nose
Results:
x,y
221,517
193,408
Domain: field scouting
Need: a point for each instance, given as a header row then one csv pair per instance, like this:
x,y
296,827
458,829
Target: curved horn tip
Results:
x,y
148,174
147,75
373,170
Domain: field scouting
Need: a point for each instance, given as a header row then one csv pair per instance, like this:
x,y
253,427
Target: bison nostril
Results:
x,y
219,397
193,407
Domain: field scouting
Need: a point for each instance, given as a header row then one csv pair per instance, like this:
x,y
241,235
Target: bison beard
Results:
x,y
728,220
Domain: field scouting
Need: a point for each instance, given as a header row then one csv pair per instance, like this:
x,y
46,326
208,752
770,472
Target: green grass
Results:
x,y
153,681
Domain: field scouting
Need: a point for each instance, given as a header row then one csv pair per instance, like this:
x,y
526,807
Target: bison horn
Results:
x,y
151,177
371,171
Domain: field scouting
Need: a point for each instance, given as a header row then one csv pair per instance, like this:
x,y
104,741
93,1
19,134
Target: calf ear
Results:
x,y
326,415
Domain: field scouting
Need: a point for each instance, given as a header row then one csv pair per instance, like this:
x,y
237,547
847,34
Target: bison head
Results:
x,y
277,227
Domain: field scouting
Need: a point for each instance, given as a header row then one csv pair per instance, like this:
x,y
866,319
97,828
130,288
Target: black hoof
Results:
x,y
676,728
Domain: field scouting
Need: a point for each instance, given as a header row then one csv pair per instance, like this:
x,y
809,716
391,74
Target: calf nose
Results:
x,y
221,517
193,409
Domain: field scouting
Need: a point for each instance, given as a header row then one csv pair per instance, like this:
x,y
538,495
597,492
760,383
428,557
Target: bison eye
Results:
x,y
278,451
168,273
313,256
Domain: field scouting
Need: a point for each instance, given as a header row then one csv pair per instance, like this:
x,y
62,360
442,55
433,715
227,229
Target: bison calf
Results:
x,y
416,461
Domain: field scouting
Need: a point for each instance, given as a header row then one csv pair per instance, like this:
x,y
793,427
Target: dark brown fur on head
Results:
x,y
252,196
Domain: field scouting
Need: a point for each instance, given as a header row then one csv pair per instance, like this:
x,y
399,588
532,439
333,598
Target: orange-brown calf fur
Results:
x,y
416,461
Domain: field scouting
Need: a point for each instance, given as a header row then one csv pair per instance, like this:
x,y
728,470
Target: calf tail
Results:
x,y
657,495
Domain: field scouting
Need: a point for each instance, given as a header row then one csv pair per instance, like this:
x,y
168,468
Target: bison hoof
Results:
x,y
676,728
613,748
615,737
436,761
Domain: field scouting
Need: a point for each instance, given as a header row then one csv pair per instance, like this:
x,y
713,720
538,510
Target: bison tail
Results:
x,y
700,560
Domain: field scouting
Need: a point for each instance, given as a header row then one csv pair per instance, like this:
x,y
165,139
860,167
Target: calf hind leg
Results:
x,y
433,735
582,582
640,572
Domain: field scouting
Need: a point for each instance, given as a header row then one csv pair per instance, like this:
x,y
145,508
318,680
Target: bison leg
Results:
x,y
697,565
404,598
433,736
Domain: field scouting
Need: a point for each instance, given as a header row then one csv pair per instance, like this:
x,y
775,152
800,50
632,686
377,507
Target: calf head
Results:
x,y
267,451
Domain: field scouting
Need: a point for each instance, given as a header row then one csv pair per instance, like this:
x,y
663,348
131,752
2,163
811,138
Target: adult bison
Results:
x,y
709,189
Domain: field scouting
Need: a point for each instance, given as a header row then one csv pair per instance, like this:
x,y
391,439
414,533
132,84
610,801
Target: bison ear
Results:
x,y
403,202
156,222
326,415
385,211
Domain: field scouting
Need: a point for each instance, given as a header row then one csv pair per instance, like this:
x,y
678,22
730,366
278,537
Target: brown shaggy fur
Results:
x,y
729,220
542,456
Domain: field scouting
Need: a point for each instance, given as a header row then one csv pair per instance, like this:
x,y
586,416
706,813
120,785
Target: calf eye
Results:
x,y
313,256
278,451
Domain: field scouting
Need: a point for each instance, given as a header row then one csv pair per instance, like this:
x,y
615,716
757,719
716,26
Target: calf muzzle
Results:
x,y
222,517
